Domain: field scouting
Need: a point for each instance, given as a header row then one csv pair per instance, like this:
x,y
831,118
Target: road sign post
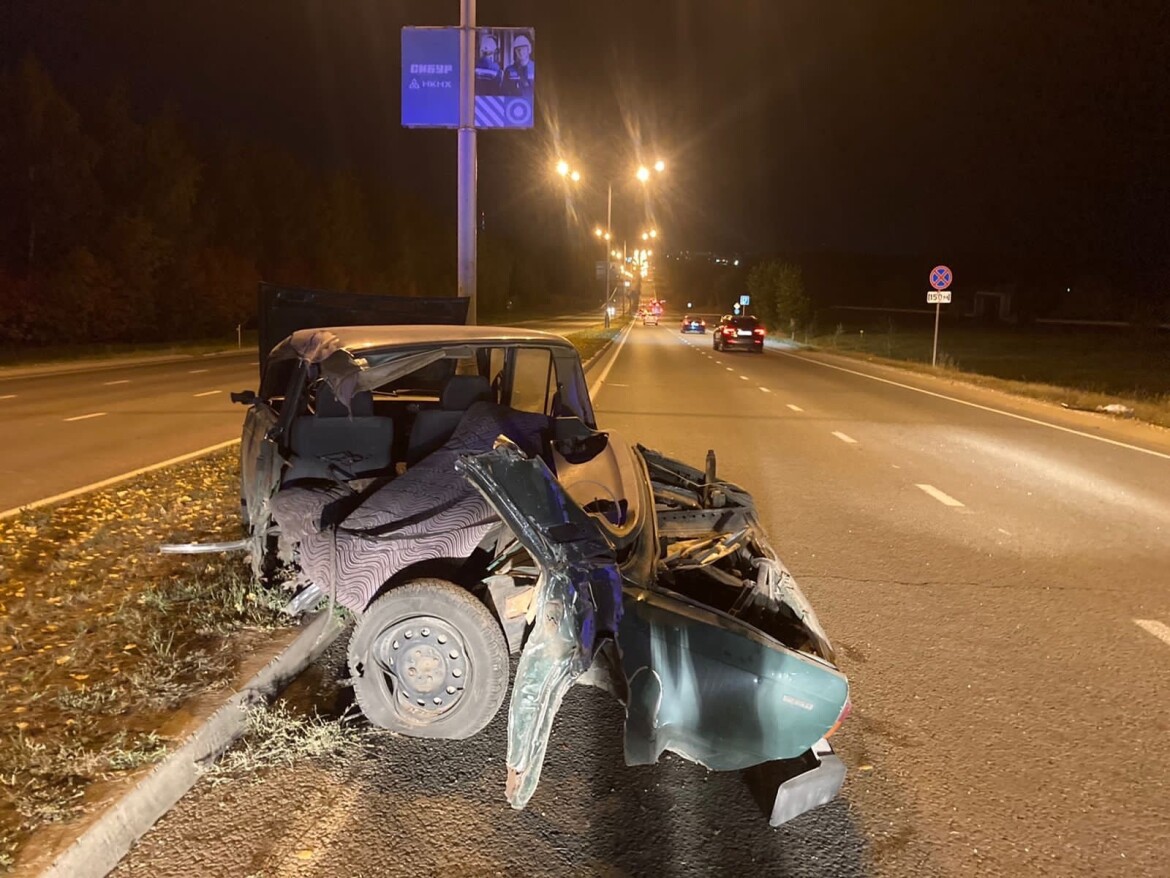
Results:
x,y
940,280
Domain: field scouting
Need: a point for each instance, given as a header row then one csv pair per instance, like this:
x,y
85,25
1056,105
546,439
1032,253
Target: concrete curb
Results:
x,y
103,845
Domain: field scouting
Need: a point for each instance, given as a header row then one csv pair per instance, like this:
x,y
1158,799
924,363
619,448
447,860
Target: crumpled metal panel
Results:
x,y
260,469
577,604
714,690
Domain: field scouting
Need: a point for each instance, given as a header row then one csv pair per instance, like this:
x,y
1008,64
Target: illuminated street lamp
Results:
x,y
568,172
660,166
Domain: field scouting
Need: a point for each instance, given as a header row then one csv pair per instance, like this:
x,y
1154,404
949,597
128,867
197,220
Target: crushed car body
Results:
x,y
449,485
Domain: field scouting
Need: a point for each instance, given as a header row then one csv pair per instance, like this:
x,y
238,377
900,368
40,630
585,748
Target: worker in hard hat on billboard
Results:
x,y
487,65
521,73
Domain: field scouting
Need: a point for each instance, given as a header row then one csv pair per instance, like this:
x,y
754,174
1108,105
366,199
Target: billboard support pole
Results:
x,y
467,159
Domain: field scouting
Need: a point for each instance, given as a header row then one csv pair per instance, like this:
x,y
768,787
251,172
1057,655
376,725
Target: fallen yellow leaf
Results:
x,y
79,677
305,854
63,660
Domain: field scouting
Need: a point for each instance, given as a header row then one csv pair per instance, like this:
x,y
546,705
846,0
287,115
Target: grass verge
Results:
x,y
279,736
14,355
1080,369
592,339
102,638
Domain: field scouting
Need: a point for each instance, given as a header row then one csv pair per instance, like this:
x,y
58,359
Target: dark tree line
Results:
x,y
114,228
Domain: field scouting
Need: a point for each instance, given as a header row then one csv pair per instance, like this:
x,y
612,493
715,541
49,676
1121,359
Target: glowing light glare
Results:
x,y
654,233
606,236
575,176
598,232
660,166
645,236
643,174
563,168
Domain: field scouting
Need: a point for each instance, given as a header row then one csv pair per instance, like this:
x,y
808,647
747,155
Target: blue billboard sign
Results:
x,y
430,77
505,77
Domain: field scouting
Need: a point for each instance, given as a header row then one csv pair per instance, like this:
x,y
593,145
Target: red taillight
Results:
x,y
702,322
728,331
759,330
841,717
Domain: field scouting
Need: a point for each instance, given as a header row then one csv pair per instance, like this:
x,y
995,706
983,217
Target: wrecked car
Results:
x,y
450,486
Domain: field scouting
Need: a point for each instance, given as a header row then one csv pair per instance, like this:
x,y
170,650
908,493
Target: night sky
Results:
x,y
1031,129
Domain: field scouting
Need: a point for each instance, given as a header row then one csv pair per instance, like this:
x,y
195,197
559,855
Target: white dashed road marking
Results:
x,y
944,499
196,371
729,368
766,390
848,439
8,396
209,393
743,377
112,383
86,417
1162,632
797,408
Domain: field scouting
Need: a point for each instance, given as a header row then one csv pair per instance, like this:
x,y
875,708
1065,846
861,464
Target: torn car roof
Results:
x,y
359,339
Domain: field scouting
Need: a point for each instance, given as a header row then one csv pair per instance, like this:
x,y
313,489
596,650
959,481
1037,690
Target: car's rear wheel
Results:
x,y
429,660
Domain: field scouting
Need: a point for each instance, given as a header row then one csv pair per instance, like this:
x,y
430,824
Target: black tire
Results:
x,y
451,646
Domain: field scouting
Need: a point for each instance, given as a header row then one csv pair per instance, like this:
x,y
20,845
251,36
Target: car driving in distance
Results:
x,y
692,323
745,333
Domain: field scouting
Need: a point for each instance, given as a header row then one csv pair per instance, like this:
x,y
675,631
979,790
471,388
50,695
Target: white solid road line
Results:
x,y
8,396
848,439
114,480
112,383
209,393
1162,632
617,348
196,371
944,499
985,408
795,408
86,417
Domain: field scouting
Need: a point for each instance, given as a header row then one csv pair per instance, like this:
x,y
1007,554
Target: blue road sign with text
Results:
x,y
430,77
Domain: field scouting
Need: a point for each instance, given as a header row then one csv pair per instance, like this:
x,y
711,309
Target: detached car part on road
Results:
x,y
449,485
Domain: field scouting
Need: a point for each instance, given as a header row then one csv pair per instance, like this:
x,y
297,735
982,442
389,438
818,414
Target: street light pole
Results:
x,y
467,162
608,259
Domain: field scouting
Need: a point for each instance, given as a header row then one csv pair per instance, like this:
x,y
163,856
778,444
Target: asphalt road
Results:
x,y
980,564
66,428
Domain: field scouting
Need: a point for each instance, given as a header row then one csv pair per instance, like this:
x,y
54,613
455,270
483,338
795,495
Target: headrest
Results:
x,y
461,391
361,405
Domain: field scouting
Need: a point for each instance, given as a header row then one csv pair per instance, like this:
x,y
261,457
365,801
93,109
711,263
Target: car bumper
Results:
x,y
741,342
818,780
